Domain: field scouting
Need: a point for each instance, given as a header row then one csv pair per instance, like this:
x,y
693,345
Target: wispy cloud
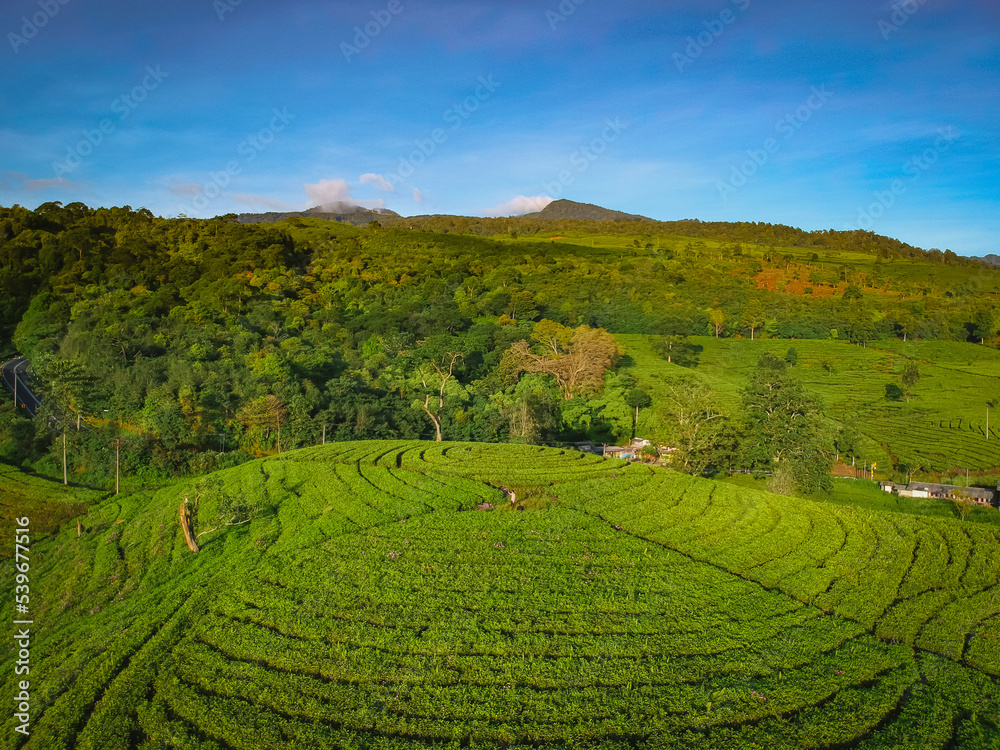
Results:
x,y
263,202
520,205
418,196
185,189
49,183
337,190
378,181
328,191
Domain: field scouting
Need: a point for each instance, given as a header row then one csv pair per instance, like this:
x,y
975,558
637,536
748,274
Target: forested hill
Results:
x,y
205,341
564,209
344,212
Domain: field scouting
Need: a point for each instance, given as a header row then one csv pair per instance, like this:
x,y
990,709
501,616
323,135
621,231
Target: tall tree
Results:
x,y
909,378
694,425
718,320
67,383
437,379
753,316
591,353
676,350
637,399
263,417
782,423
983,325
554,337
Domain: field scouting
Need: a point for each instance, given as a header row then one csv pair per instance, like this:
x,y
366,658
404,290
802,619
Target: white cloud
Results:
x,y
327,192
263,202
379,181
520,205
186,188
418,196
52,182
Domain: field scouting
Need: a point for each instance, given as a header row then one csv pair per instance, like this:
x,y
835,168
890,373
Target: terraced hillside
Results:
x,y
51,504
940,429
387,595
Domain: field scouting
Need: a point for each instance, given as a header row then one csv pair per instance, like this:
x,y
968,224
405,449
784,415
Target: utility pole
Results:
x,y
65,478
118,450
324,433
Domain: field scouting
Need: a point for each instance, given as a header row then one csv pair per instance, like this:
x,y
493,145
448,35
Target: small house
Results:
x,y
944,492
616,451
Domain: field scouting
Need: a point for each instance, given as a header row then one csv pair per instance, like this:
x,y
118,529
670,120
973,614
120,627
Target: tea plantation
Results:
x,y
942,429
389,595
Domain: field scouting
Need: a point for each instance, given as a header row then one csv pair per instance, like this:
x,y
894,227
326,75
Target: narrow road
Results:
x,y
16,378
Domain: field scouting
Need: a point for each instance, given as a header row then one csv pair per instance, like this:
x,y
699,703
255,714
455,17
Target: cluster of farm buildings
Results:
x,y
978,495
628,452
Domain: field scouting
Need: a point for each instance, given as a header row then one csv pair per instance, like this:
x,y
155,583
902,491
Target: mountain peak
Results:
x,y
347,213
566,209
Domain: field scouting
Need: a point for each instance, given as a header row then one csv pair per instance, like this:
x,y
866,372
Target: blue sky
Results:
x,y
883,116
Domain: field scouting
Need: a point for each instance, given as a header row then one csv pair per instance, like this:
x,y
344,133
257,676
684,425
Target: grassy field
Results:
x,y
941,430
905,276
387,595
51,504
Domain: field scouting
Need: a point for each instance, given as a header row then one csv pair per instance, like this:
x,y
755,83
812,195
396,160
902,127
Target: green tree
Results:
x,y
860,326
963,503
531,410
893,392
70,387
983,325
753,316
554,337
436,381
848,441
718,320
693,425
263,418
590,354
676,350
909,378
637,399
781,422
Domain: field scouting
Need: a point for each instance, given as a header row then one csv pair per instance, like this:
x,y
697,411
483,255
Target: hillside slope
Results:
x,y
368,595
566,209
941,428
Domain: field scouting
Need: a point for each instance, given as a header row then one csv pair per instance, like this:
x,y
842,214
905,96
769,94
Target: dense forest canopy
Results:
x,y
200,343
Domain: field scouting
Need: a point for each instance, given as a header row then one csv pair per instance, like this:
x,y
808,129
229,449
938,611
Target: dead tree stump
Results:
x,y
186,527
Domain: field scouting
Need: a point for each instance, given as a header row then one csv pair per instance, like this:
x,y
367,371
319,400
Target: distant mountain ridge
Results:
x,y
993,260
566,209
348,213
345,213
